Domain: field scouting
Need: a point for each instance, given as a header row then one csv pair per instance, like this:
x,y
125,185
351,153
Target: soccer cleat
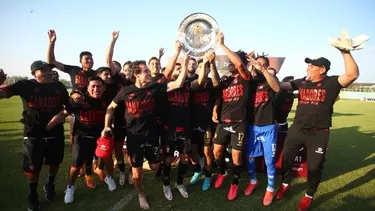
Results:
x,y
69,194
183,191
232,194
122,178
280,193
195,178
268,197
33,202
219,180
167,192
206,183
90,181
305,203
111,183
346,43
50,192
100,173
250,188
143,204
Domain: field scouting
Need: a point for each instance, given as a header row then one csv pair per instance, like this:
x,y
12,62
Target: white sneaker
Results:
x,y
130,177
111,183
182,190
167,192
69,194
122,178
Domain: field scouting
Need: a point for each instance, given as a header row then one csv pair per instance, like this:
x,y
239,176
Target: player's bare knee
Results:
x,y
154,166
136,173
236,157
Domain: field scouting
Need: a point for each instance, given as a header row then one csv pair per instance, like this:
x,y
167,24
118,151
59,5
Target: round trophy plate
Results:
x,y
197,33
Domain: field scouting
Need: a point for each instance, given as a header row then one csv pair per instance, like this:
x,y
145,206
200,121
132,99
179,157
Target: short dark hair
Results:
x,y
265,59
243,56
288,78
191,58
134,67
117,63
127,63
84,53
153,58
163,69
96,78
200,61
100,70
178,63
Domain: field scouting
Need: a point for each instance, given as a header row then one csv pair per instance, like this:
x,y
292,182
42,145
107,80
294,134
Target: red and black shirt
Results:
x,y
263,103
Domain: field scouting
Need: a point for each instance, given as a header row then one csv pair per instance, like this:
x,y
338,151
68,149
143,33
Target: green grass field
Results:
x,y
348,183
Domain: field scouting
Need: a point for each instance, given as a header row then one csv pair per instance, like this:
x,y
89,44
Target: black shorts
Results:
x,y
36,150
139,148
119,133
83,150
203,137
172,141
231,133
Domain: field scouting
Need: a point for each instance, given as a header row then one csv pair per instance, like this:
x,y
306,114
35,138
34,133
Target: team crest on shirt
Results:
x,y
235,80
57,91
148,93
260,86
319,84
131,96
36,90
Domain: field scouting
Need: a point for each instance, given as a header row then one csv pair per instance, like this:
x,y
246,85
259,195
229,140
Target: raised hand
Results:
x,y
220,38
187,57
211,56
52,35
3,76
178,46
115,35
161,52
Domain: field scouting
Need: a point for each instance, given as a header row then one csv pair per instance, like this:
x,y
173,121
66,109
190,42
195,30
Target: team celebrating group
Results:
x,y
185,107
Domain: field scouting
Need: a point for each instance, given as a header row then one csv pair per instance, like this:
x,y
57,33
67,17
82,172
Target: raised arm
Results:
x,y
109,54
351,70
202,75
271,80
234,58
214,74
179,82
51,51
172,61
161,53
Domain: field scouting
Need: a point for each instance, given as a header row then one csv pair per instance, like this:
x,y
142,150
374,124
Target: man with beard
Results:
x,y
43,143
140,113
235,113
317,93
262,134
203,100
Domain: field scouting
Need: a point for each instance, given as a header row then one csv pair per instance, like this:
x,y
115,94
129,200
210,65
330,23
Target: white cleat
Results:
x,y
111,183
183,191
69,194
122,178
167,192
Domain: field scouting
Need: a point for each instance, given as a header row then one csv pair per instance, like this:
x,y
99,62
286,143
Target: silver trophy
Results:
x,y
197,33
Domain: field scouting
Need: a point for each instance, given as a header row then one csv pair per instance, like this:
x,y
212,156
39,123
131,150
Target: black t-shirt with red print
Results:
x,y
79,77
89,115
315,101
237,99
140,108
263,103
41,102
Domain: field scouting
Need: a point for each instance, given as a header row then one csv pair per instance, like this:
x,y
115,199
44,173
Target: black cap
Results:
x,y
320,62
38,65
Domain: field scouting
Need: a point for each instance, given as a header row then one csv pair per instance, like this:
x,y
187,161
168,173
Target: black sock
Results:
x,y
88,169
51,180
32,187
121,165
236,174
182,169
158,172
207,173
101,164
166,173
221,165
197,168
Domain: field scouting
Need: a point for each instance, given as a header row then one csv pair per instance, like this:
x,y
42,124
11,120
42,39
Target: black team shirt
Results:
x,y
89,116
236,99
203,100
315,102
140,108
79,77
263,103
283,104
41,102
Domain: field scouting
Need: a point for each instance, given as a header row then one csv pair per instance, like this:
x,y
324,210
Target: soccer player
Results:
x,y
236,93
203,100
283,104
317,94
262,134
140,113
42,100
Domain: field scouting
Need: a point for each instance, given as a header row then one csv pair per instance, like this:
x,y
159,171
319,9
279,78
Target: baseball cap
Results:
x,y
39,64
320,62
104,147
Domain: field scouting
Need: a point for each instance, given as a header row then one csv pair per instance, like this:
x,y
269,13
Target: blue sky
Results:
x,y
293,29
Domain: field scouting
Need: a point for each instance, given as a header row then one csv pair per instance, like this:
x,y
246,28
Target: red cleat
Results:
x,y
280,193
304,204
219,180
232,194
250,188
